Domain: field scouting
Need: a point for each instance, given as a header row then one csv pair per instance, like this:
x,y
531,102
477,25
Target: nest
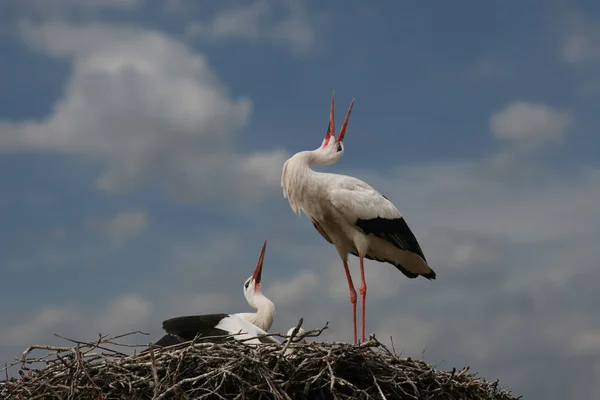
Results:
x,y
232,369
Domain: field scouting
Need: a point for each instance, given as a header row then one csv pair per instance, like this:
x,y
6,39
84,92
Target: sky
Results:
x,y
141,146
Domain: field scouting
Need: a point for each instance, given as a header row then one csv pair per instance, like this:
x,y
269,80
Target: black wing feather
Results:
x,y
167,340
396,232
186,328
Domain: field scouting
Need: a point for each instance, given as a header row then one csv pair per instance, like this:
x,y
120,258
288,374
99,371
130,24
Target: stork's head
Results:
x,y
252,284
332,148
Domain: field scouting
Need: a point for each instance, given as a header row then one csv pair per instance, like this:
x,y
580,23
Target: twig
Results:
x,y
289,341
379,389
154,372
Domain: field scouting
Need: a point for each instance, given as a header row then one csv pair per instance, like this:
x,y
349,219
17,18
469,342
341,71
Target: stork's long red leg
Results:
x,y
352,296
363,293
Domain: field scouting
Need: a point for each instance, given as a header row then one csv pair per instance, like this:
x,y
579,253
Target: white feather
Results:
x,y
355,199
234,324
263,317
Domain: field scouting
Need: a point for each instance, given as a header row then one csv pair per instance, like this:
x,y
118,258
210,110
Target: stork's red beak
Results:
x,y
345,124
331,126
258,271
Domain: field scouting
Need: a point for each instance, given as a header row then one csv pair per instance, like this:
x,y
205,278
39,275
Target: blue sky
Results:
x,y
141,146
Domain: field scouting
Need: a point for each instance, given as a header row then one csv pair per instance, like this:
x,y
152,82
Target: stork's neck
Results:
x,y
315,157
263,318
297,176
296,170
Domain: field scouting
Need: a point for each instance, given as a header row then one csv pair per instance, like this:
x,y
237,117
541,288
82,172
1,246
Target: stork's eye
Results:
x,y
246,284
339,147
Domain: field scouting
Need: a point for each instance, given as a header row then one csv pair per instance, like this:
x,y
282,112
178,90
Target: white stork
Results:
x,y
350,214
182,329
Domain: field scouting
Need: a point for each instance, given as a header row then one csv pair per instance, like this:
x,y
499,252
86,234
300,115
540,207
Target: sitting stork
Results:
x,y
182,329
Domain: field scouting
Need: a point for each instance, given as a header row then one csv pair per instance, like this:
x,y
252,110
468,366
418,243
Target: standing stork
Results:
x,y
350,214
182,329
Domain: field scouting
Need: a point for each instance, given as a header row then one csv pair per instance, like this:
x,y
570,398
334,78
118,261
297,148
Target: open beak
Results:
x,y
258,270
345,124
331,126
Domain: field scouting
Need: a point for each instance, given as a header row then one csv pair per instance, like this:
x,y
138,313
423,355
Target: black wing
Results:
x,y
167,340
186,328
395,231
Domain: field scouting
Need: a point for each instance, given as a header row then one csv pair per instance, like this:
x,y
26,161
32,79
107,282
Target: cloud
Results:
x,y
45,6
69,9
411,335
294,290
122,226
530,125
126,313
460,249
29,331
580,49
148,107
206,303
585,342
581,43
241,22
263,20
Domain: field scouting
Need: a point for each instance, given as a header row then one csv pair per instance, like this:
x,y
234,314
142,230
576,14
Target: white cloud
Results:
x,y
53,6
410,335
585,342
207,303
459,249
529,125
123,226
241,21
29,331
262,20
581,43
580,49
127,313
149,107
293,290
